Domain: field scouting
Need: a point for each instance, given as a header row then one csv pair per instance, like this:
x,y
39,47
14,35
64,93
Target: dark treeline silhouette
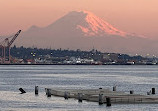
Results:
x,y
22,52
27,53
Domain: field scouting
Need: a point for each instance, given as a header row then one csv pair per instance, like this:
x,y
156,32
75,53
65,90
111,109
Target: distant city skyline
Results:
x,y
133,16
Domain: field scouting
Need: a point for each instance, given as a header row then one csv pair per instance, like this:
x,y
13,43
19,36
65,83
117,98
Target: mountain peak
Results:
x,y
33,28
82,12
91,25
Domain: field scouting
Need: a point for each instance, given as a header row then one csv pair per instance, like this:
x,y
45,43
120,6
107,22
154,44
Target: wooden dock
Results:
x,y
101,95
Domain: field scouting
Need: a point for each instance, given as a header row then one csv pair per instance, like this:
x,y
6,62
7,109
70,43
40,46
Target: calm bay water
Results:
x,y
138,78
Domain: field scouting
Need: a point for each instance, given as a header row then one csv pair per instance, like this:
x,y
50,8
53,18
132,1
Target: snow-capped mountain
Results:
x,y
83,30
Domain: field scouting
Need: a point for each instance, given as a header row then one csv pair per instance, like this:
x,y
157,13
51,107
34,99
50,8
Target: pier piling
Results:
x,y
80,95
66,95
108,101
131,92
100,99
48,93
36,90
153,91
114,88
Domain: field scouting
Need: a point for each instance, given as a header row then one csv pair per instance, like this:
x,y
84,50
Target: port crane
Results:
x,y
5,48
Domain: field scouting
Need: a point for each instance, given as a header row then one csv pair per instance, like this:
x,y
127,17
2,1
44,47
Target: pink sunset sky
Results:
x,y
133,16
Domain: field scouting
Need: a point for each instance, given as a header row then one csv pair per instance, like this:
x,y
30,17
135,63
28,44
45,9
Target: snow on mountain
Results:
x,y
96,26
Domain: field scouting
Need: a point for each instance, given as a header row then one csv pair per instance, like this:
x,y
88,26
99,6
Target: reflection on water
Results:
x,y
138,78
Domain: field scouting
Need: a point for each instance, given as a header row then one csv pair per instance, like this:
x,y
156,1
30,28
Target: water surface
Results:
x,y
138,78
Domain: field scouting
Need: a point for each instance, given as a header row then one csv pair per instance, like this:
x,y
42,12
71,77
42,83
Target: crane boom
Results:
x,y
15,36
5,48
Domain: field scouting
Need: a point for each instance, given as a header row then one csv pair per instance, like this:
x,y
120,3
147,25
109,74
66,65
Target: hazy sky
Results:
x,y
134,16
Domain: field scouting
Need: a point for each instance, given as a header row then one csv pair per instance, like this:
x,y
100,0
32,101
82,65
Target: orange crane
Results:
x,y
5,47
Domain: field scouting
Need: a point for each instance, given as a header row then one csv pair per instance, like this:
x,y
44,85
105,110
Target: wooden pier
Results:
x,y
101,95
